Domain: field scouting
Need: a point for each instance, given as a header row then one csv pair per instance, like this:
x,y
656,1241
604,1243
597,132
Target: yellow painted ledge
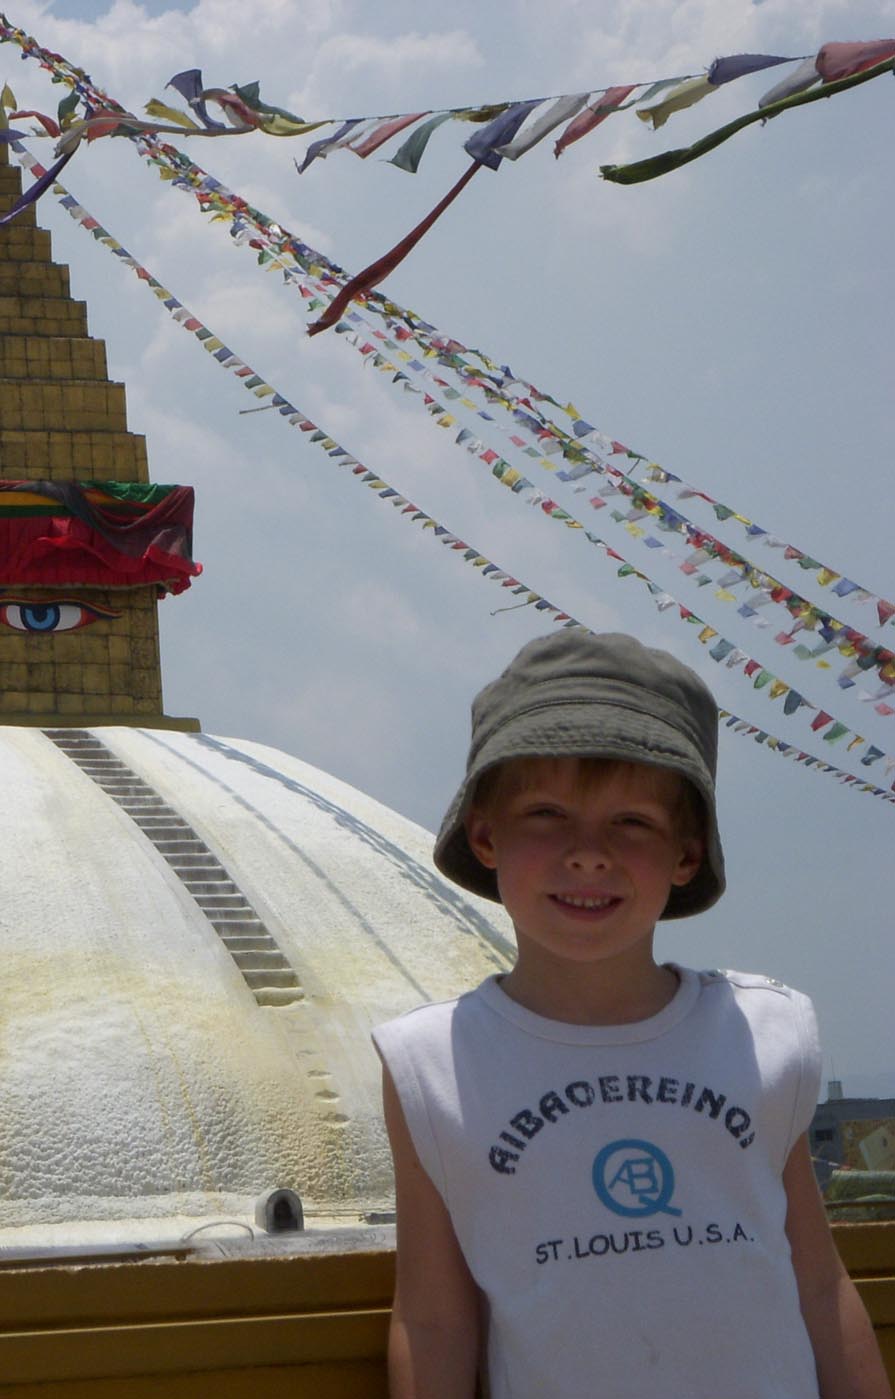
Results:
x,y
310,1324
98,721
306,1319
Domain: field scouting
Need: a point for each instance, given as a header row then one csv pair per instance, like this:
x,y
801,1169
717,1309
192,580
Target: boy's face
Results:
x,y
584,861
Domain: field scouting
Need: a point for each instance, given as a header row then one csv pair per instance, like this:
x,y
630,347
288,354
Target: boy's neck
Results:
x,y
597,995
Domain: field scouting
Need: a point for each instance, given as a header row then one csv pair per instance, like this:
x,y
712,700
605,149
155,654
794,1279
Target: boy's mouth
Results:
x,y
592,904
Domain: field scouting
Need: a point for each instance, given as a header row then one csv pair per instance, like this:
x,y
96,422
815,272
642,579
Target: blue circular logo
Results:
x,y
634,1178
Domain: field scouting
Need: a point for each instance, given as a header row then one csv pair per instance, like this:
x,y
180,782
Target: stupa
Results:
x,y
196,933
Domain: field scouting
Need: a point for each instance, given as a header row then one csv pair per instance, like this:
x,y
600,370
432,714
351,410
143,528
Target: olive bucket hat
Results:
x,y
580,695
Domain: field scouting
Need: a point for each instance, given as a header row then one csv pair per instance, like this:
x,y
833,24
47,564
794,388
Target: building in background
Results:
x,y
856,1134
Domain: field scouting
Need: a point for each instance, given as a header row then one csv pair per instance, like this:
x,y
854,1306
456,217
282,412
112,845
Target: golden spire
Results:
x,y
76,648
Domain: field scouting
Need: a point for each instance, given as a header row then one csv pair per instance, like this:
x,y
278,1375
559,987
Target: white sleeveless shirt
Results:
x,y
616,1191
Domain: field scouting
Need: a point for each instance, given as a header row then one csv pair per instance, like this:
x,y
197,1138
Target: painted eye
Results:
x,y
51,616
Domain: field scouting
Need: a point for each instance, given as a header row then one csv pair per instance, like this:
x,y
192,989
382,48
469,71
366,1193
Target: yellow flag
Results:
x,y
684,95
778,688
158,109
276,124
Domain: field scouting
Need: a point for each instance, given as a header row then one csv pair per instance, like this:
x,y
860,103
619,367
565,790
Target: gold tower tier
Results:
x,y
62,419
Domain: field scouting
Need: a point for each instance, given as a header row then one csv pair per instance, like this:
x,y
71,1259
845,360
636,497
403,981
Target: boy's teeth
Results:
x,y
584,903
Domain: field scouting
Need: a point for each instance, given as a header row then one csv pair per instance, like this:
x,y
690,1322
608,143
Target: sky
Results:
x,y
730,321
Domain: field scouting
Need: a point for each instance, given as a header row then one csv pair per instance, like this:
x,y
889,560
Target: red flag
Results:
x,y
591,117
377,271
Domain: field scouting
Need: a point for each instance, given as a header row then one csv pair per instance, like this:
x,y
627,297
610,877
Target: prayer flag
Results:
x,y
691,91
803,77
724,70
483,145
835,61
383,133
562,110
189,85
608,102
410,154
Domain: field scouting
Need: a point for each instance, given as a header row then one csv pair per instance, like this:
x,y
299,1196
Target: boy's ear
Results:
x,y
689,861
479,837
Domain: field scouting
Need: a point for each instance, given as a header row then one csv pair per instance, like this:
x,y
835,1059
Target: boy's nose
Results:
x,y
589,851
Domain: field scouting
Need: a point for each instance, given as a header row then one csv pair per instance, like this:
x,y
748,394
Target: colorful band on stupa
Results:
x,y
100,535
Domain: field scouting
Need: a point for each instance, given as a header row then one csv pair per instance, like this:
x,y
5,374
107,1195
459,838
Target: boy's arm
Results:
x,y
848,1361
434,1335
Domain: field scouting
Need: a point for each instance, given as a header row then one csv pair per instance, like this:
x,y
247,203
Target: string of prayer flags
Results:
x,y
547,437
803,614
44,180
446,351
775,688
639,170
244,110
521,485
721,650
504,131
788,750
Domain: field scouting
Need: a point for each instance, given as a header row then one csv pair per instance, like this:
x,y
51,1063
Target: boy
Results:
x,y
601,1168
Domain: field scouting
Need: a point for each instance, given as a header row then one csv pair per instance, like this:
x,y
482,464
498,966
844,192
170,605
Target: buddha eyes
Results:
x,y
51,616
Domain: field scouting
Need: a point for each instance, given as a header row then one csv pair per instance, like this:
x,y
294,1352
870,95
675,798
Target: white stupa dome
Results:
x,y
197,935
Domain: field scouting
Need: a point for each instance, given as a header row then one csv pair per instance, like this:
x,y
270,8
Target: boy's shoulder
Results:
x,y
764,1000
436,1012
745,981
431,1027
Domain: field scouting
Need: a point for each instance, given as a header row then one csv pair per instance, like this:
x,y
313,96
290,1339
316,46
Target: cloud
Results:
x,y
386,73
